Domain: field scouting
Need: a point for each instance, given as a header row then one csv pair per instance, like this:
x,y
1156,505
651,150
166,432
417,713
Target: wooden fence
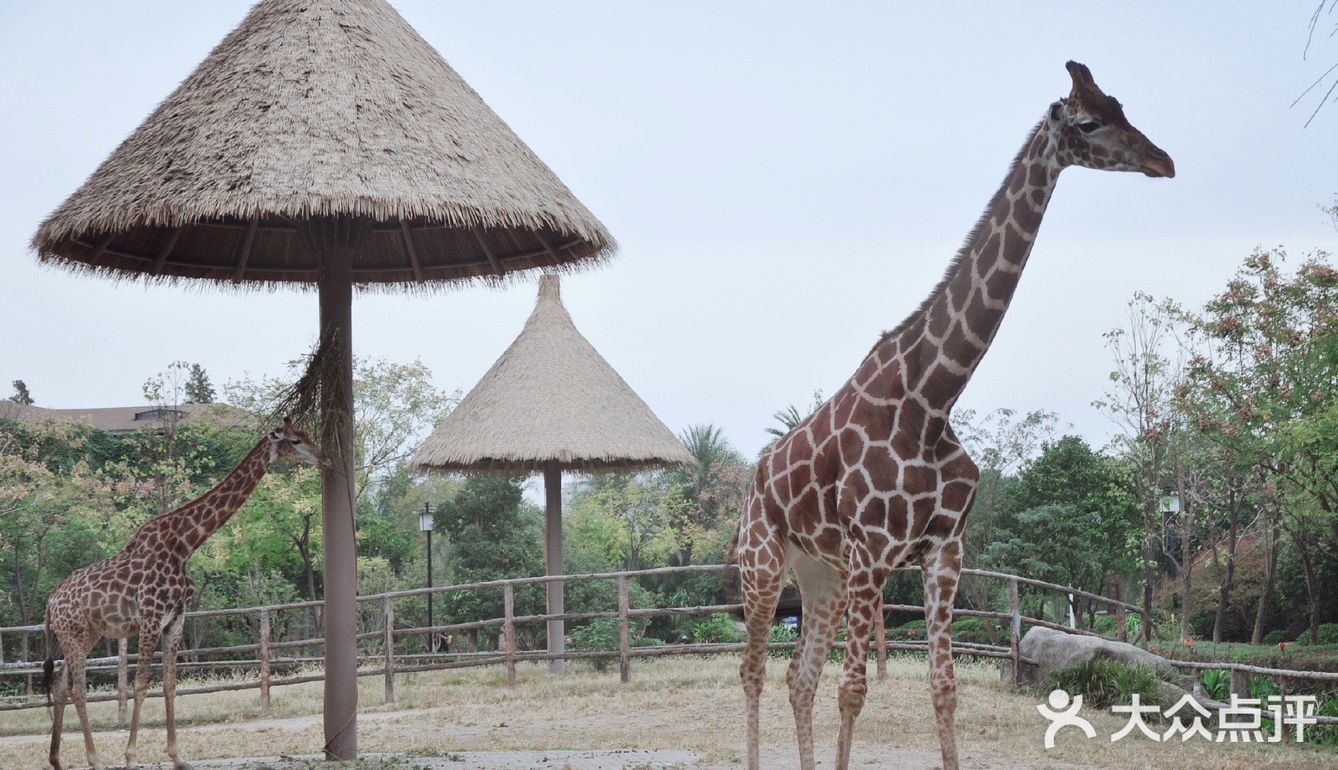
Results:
x,y
381,658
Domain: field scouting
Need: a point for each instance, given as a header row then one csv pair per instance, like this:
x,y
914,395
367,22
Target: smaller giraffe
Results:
x,y
143,590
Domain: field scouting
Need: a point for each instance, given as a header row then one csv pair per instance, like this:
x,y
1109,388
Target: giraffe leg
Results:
x,y
171,641
60,693
79,687
823,592
864,587
148,642
761,592
941,571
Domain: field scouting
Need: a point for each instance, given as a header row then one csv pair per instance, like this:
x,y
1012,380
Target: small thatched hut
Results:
x,y
551,403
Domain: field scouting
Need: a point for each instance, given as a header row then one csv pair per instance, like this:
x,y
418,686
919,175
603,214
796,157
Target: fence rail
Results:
x,y
387,662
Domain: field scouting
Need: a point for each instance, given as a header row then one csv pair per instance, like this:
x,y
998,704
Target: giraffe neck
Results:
x,y
185,529
944,341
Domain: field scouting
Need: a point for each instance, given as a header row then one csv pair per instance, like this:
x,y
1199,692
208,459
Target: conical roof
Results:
x,y
314,108
550,397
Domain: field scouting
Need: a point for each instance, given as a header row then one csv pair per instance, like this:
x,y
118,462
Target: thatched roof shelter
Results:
x,y
324,142
314,108
551,403
551,397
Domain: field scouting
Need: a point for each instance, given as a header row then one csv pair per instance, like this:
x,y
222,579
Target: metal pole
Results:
x,y
431,635
334,242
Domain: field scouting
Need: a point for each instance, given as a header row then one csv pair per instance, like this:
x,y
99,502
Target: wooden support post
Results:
x,y
624,632
509,630
1015,631
388,610
122,679
264,662
554,564
25,654
880,638
1240,683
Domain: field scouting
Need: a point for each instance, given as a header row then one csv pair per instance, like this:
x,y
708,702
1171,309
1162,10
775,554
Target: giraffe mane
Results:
x,y
962,252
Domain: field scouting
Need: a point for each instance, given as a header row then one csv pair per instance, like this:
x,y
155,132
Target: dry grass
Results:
x,y
693,704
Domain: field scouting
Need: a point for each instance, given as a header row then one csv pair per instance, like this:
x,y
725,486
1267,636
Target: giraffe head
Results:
x,y
1090,130
288,441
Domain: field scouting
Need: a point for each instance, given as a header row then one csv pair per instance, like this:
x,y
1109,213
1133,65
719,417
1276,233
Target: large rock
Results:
x,y
1057,651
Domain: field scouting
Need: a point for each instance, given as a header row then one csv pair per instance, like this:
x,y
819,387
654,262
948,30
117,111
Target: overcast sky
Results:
x,y
785,181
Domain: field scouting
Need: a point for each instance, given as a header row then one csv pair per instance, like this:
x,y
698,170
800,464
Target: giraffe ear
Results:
x,y
288,424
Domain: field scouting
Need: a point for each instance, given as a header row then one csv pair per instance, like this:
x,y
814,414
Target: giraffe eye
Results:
x,y
1088,126
295,441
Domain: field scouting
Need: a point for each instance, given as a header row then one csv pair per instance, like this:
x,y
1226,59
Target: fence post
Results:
x,y
122,664
880,638
388,609
624,633
264,662
1015,631
26,654
1240,682
509,629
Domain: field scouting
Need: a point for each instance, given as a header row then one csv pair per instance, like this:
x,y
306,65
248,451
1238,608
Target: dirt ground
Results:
x,y
683,713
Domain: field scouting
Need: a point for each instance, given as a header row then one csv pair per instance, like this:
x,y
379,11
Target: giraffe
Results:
x,y
144,590
875,478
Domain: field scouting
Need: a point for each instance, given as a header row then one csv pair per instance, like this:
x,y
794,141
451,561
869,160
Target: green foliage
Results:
x,y
1275,636
1216,683
716,628
1071,517
976,631
781,634
1103,682
1328,633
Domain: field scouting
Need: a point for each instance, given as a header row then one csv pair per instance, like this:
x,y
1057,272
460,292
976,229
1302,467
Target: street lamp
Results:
x,y
425,525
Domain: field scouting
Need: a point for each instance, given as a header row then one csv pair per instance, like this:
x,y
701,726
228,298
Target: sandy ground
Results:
x,y
683,713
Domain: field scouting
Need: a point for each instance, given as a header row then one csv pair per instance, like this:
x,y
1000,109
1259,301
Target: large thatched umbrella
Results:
x,y
323,142
551,403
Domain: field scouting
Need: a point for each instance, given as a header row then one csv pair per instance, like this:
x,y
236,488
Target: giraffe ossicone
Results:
x,y
875,479
143,591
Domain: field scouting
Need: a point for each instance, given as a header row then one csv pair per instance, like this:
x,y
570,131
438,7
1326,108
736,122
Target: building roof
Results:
x,y
312,109
124,419
551,397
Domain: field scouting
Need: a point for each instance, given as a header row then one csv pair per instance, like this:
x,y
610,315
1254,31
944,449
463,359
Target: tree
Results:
x,y
1139,401
1073,519
1271,394
713,488
394,407
792,415
21,394
198,388
494,535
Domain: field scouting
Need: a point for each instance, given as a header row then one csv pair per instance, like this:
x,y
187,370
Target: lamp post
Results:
x,y
425,525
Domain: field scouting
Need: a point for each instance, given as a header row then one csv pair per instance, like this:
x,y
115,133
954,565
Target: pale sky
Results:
x,y
785,180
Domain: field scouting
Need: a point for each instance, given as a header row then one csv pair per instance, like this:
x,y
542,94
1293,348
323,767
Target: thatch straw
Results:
x,y
315,108
550,397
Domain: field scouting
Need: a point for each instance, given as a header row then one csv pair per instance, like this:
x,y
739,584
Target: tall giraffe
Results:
x,y
143,590
875,479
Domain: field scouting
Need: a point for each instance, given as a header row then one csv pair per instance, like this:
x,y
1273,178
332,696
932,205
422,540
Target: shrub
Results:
x,y
1328,633
975,631
781,633
601,634
716,628
1103,682
1275,636
1217,683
